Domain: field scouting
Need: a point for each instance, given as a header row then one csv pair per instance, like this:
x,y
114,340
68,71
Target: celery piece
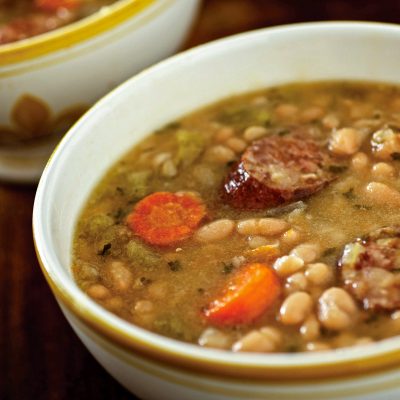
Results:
x,y
190,146
98,224
139,183
140,254
263,117
351,254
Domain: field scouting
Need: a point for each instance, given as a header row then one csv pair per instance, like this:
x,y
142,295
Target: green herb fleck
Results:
x,y
227,268
292,348
169,127
337,169
283,132
329,251
173,125
106,250
362,207
118,214
141,254
175,265
349,194
371,319
395,156
145,281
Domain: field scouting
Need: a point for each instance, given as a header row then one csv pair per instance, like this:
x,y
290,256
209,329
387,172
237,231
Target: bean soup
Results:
x,y
269,222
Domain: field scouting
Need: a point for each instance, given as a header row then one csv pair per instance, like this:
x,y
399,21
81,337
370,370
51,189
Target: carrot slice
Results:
x,y
54,5
165,218
252,291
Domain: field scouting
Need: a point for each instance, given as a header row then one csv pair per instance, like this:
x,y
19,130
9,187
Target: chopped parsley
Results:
x,y
349,194
395,156
329,251
106,250
227,268
175,265
337,169
362,207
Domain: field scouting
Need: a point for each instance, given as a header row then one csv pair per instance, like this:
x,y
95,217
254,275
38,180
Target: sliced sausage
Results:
x,y
369,268
276,170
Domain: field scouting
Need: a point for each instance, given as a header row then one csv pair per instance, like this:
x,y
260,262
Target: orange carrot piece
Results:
x,y
54,5
165,218
252,291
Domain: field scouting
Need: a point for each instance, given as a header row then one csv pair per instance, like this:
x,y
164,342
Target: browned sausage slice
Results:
x,y
369,269
277,170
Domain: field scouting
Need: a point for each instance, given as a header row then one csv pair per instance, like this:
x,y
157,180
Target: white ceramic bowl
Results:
x,y
77,64
156,367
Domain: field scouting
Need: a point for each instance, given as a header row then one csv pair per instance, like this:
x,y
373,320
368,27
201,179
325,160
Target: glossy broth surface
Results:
x,y
166,289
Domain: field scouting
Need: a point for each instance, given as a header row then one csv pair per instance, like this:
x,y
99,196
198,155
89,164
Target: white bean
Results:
x,y
115,303
223,134
214,231
237,261
337,309
265,340
359,162
157,290
288,265
160,158
254,133
204,175
308,252
168,169
98,292
317,346
345,141
220,154
330,121
385,143
382,170
257,241
382,194
143,307
295,283
363,341
262,226
214,338
311,114
286,111
290,237
319,274
120,276
236,144
310,329
88,272
395,321
296,308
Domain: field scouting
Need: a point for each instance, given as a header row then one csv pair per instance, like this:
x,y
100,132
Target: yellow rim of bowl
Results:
x,y
73,33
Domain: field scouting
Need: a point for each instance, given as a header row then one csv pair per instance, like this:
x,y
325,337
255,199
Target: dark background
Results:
x,y
40,357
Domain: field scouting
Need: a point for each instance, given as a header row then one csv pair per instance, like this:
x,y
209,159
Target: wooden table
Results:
x,y
40,356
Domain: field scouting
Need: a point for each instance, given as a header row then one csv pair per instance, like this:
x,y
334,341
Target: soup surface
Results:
x,y
269,222
21,19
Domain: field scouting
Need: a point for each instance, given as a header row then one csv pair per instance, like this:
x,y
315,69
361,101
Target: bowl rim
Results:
x,y
74,33
343,363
